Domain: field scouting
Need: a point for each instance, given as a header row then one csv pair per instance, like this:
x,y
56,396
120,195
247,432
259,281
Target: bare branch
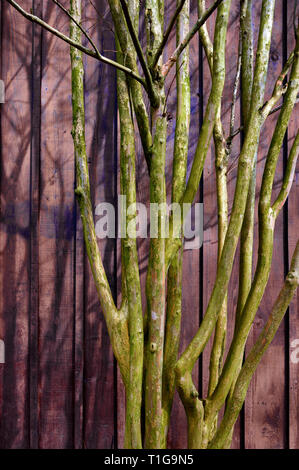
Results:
x,y
295,17
109,26
279,88
80,47
116,322
128,50
234,100
288,177
77,24
174,57
255,355
187,360
241,128
151,91
267,218
167,33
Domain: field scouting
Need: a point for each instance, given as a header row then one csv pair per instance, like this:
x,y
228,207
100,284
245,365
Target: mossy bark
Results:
x,y
256,353
115,319
133,438
174,276
156,274
146,347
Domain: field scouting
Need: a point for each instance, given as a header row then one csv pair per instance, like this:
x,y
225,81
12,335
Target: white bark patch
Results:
x,y
154,316
2,352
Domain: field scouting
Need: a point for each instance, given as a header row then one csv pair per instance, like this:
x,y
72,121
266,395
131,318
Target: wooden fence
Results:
x,y
59,386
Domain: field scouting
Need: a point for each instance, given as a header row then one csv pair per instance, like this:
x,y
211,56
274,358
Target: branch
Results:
x,y
115,320
207,127
167,33
246,238
128,50
184,366
295,17
205,37
241,128
279,88
186,362
200,22
78,25
218,347
267,218
148,78
288,177
279,131
77,45
174,275
247,231
255,355
129,262
234,100
155,276
222,210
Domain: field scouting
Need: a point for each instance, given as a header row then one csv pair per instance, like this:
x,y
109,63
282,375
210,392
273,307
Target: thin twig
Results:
x,y
241,128
101,16
200,22
167,33
274,110
279,88
295,16
288,176
71,42
138,48
234,100
88,37
169,89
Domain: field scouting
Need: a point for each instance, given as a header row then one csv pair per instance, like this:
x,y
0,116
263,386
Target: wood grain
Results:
x,y
191,272
59,387
15,225
99,383
291,221
56,242
265,411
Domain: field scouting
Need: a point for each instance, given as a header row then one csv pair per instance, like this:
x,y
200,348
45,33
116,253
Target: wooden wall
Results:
x,y
60,387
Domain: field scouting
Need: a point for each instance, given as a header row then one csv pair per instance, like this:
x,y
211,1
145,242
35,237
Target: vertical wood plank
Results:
x,y
78,327
231,68
15,230
142,196
191,272
210,197
1,158
210,214
75,405
120,389
34,226
56,246
265,404
292,220
99,391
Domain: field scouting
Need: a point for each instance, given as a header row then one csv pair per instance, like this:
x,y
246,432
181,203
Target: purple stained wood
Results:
x,y
292,220
99,381
265,410
56,242
191,260
15,225
210,248
34,228
59,387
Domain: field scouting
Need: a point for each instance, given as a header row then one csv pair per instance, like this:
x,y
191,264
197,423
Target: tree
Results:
x,y
146,344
